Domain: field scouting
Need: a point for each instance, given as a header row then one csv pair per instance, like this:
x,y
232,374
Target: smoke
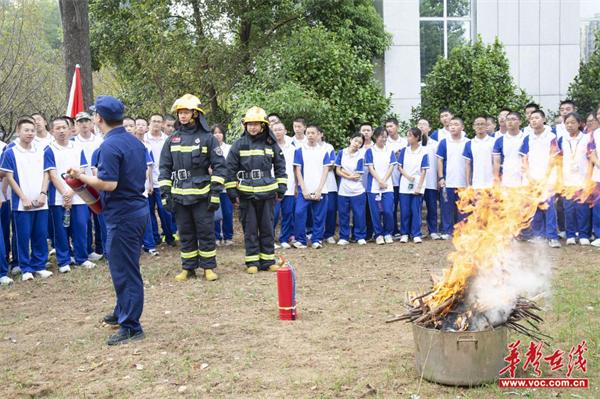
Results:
x,y
523,270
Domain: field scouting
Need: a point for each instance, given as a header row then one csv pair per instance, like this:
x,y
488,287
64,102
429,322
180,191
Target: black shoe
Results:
x,y
111,319
172,243
124,336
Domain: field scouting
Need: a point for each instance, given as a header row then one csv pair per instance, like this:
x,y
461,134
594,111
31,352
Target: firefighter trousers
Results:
x,y
256,217
197,235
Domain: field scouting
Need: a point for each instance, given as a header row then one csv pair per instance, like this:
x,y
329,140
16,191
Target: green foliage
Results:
x,y
585,88
474,80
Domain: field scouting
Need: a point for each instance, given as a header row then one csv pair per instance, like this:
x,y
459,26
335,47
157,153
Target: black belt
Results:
x,y
253,174
184,174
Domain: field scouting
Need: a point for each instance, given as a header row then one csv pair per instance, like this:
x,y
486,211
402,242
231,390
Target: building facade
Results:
x,y
541,39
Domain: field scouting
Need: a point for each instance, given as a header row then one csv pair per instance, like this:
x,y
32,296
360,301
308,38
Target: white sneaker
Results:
x,y
16,270
64,269
379,240
362,242
277,246
404,238
554,243
417,240
562,234
317,245
445,237
285,245
87,264
44,273
571,241
388,239
299,245
331,240
52,252
435,236
27,276
94,257
397,236
584,241
5,280
153,252
596,242
228,242
345,242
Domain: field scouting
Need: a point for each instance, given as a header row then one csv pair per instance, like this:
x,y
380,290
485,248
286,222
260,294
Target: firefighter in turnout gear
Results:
x,y
255,179
189,190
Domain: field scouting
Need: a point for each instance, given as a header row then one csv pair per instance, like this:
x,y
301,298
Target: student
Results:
x,y
594,153
565,108
451,175
506,157
273,118
445,118
351,194
366,130
299,126
311,165
478,156
331,184
285,207
537,153
23,166
413,164
4,229
380,160
101,220
42,136
573,149
67,211
431,195
168,124
395,142
502,128
591,123
529,108
224,227
490,126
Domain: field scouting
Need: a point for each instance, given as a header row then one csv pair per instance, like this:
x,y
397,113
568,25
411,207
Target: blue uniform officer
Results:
x,y
120,179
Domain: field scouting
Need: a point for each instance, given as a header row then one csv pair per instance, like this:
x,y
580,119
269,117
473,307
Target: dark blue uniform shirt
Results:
x,y
122,158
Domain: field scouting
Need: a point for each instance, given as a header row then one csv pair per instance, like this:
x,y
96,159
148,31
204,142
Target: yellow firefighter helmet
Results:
x,y
187,101
255,114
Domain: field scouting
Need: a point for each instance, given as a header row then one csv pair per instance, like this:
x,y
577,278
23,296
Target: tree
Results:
x,y
585,88
74,15
474,80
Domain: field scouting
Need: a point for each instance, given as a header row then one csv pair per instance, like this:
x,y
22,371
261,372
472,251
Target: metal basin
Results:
x,y
460,358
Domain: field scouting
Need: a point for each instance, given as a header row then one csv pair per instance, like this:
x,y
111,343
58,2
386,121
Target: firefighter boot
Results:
x,y
274,268
252,270
210,275
185,275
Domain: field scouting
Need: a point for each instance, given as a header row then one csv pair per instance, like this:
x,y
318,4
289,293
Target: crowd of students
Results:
x,y
373,189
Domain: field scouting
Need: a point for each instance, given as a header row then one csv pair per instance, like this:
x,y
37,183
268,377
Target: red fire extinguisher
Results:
x,y
286,289
85,192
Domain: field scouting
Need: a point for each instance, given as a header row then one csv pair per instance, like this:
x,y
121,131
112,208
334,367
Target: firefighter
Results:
x,y
255,179
189,190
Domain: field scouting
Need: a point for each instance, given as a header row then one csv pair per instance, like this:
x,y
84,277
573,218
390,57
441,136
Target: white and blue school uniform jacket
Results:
x,y
396,146
43,142
594,145
331,182
479,152
539,149
353,163
431,178
27,167
2,197
61,158
560,131
440,134
311,161
288,151
507,148
413,162
149,163
451,154
156,145
89,146
575,161
381,159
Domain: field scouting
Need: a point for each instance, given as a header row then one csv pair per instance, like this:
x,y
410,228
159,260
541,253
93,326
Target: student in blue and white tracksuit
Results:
x,y
395,142
284,209
311,164
351,194
61,155
331,184
506,157
381,161
101,220
431,195
538,153
23,166
479,165
451,175
594,154
413,163
573,147
4,225
223,228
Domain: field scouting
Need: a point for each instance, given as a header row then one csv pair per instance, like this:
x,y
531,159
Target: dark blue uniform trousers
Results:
x,y
123,241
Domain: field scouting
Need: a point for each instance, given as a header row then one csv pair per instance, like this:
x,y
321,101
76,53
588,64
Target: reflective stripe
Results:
x,y
249,153
215,200
183,148
258,189
217,179
282,180
268,151
267,256
204,149
165,183
231,184
252,258
207,254
189,255
190,191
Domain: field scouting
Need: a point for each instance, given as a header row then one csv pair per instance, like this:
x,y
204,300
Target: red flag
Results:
x,y
75,104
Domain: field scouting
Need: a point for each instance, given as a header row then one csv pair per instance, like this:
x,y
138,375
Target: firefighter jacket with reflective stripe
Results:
x,y
256,167
184,166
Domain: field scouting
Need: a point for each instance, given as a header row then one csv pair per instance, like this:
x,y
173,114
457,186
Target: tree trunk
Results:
x,y
76,44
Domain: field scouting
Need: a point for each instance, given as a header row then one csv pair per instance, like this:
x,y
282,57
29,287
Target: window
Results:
x,y
444,24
